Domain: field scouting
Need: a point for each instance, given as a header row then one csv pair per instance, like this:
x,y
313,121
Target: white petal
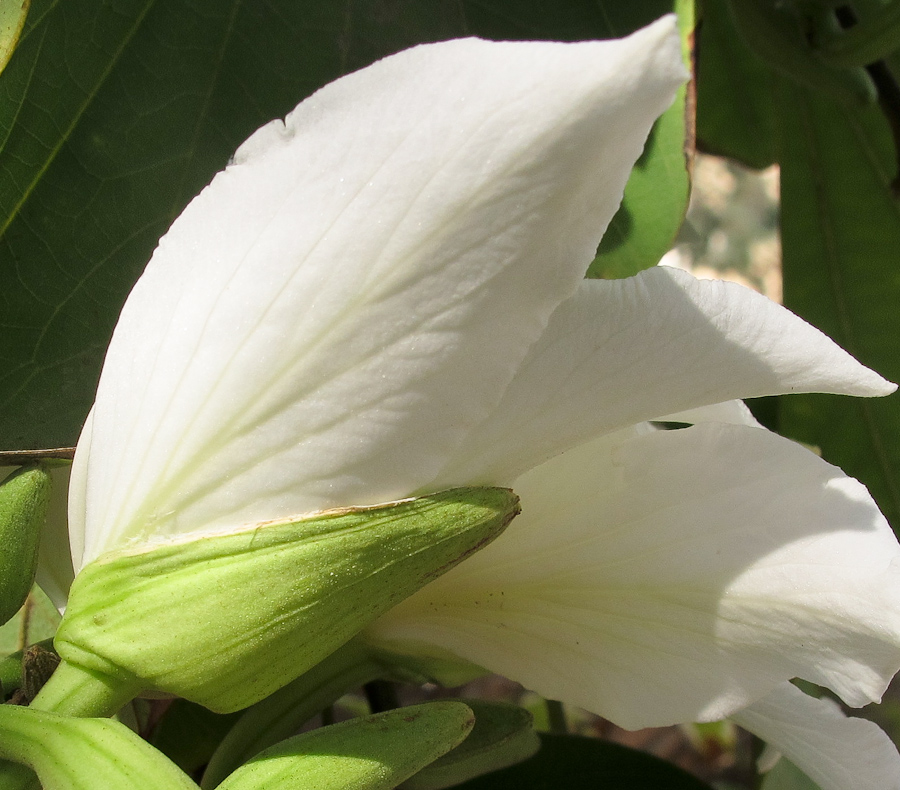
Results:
x,y
734,412
836,752
675,576
623,351
324,321
54,571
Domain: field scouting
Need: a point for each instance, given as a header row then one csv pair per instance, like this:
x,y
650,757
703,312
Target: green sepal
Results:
x,y
24,497
85,754
502,736
370,753
226,620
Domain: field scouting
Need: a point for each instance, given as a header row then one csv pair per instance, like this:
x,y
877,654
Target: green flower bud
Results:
x,y
24,497
226,620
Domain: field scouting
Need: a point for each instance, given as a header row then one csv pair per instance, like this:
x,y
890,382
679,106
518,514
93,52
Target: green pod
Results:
x,y
226,620
24,497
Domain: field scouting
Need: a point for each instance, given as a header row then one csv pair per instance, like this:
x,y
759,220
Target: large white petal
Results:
x,y
325,320
836,752
675,576
730,411
622,351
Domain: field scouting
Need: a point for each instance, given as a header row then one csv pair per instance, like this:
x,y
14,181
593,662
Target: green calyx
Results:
x,y
24,497
233,618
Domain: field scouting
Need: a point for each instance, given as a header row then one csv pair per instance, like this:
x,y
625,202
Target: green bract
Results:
x,y
234,617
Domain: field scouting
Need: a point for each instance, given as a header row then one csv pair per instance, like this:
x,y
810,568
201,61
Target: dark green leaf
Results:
x,y
115,114
188,734
841,236
586,764
734,93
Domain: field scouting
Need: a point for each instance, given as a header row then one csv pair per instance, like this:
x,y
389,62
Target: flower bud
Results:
x,y
226,620
24,497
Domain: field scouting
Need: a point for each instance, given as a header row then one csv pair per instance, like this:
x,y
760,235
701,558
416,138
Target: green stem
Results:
x,y
279,716
75,691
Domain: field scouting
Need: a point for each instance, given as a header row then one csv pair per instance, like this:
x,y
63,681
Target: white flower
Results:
x,y
382,296
338,312
657,577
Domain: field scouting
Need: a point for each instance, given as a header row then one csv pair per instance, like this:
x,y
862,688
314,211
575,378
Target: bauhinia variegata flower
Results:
x,y
382,297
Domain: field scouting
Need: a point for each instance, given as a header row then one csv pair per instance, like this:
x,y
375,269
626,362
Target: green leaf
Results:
x,y
575,763
84,754
735,117
188,733
502,736
656,196
841,234
371,753
116,114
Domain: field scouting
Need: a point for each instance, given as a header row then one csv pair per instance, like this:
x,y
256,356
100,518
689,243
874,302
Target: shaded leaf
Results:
x,y
188,733
116,114
734,93
585,764
841,233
